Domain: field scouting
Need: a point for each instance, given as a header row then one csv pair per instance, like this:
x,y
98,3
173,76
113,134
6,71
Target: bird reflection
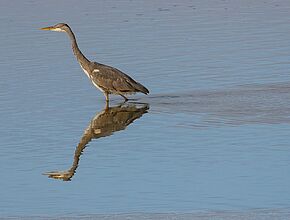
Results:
x,y
105,123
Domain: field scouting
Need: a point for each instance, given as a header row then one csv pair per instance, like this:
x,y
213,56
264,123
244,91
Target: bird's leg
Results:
x,y
124,97
107,96
107,99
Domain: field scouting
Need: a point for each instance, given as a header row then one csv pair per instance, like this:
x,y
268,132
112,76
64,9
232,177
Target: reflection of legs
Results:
x,y
107,106
124,97
107,99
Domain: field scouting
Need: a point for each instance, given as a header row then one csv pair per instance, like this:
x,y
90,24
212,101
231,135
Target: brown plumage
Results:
x,y
114,81
104,123
106,78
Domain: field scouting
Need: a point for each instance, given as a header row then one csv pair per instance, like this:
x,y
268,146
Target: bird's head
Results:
x,y
61,27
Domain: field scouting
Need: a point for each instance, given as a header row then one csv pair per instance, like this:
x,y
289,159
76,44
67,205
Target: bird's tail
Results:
x,y
140,88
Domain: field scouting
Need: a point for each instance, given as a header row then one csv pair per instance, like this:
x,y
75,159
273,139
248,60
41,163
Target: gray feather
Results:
x,y
113,80
108,79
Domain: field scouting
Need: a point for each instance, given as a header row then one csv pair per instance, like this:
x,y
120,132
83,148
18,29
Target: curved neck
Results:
x,y
79,55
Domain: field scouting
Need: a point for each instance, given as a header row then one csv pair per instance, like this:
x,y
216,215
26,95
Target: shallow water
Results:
x,y
213,134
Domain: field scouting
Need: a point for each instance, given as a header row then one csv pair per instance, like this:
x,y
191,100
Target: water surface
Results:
x,y
213,135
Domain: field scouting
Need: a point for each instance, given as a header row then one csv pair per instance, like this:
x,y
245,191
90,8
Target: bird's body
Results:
x,y
106,78
111,80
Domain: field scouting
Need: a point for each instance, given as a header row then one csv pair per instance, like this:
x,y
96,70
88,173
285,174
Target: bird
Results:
x,y
103,124
108,79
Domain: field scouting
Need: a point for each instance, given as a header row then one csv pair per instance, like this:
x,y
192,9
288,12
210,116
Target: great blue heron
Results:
x,y
104,123
106,78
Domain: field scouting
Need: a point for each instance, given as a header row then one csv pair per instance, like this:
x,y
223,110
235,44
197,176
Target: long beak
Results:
x,y
47,28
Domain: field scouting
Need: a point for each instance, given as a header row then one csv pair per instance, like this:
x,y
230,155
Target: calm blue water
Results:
x,y
213,134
